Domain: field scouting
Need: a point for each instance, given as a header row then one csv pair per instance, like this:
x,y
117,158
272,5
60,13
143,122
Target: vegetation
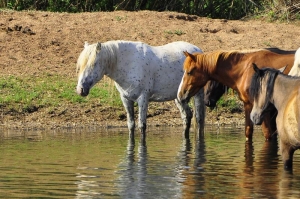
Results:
x,y
227,9
21,94
230,102
28,94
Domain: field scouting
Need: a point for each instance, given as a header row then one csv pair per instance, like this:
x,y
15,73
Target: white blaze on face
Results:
x,y
180,85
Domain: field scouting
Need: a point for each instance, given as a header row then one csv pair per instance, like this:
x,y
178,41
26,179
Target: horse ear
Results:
x,y
98,47
256,69
86,44
283,69
187,54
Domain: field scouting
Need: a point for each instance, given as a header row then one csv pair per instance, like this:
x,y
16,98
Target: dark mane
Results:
x,y
256,83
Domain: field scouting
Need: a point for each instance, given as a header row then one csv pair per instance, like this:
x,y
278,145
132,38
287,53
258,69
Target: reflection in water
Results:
x,y
193,168
127,180
109,165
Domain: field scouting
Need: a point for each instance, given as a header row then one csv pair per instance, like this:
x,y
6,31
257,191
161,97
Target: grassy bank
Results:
x,y
28,94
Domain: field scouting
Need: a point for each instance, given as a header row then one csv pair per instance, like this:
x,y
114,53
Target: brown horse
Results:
x,y
233,69
214,90
270,86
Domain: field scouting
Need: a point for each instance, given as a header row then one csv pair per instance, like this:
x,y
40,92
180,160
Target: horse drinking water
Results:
x,y
233,69
271,86
142,73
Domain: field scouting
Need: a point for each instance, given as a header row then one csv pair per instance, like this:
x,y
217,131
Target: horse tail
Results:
x,y
199,109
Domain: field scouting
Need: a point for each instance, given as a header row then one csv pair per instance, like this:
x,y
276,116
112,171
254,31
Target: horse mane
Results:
x,y
256,83
211,59
88,56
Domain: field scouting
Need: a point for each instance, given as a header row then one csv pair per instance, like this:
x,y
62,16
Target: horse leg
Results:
x,y
186,116
267,126
248,122
199,111
129,107
287,152
143,108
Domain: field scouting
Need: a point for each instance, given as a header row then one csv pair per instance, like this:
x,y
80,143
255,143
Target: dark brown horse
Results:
x,y
233,69
270,86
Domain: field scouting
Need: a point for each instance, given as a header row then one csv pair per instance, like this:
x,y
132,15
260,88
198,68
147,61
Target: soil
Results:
x,y
36,43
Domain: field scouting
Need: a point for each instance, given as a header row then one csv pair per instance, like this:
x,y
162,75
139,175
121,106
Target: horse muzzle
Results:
x,y
210,103
256,118
82,92
183,97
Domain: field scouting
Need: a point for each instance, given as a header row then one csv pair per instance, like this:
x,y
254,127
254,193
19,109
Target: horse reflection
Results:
x,y
191,168
258,169
137,179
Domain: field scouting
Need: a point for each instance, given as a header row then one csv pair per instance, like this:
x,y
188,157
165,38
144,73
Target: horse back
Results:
x,y
271,59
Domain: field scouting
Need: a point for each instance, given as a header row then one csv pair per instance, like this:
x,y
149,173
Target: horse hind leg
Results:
x,y
129,107
287,152
199,112
186,116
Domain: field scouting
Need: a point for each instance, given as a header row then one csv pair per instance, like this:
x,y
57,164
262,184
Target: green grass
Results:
x,y
230,102
27,94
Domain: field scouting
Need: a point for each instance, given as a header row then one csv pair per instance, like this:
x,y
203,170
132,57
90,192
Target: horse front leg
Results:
x,y
129,107
248,122
267,128
143,109
287,152
186,116
199,112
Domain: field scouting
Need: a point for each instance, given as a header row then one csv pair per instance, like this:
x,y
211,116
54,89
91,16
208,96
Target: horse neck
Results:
x,y
226,70
283,87
108,59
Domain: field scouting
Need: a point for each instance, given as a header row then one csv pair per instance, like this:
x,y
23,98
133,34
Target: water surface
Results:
x,y
106,164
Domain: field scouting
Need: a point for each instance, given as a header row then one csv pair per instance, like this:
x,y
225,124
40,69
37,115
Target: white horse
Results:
x,y
295,71
141,73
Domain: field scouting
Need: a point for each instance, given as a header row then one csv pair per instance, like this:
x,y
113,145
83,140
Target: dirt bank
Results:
x,y
38,43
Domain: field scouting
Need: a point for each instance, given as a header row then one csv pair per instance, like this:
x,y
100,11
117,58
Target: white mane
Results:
x,y
91,53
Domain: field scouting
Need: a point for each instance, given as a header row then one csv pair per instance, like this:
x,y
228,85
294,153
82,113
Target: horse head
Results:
x,y
213,91
194,77
89,68
261,92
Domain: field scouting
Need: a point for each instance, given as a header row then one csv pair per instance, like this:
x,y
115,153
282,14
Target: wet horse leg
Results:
x,y
267,126
199,111
248,122
287,152
186,116
143,108
129,107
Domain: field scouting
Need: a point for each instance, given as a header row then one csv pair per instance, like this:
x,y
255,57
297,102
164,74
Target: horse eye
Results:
x,y
188,73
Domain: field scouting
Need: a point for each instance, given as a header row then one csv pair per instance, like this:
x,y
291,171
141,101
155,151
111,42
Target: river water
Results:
x,y
97,163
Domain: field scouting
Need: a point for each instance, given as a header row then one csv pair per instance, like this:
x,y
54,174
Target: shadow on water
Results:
x,y
97,164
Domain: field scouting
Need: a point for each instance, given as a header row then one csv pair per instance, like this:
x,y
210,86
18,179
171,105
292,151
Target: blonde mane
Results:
x,y
86,58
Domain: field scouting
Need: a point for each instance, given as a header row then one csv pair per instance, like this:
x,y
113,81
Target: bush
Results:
x,y
229,9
